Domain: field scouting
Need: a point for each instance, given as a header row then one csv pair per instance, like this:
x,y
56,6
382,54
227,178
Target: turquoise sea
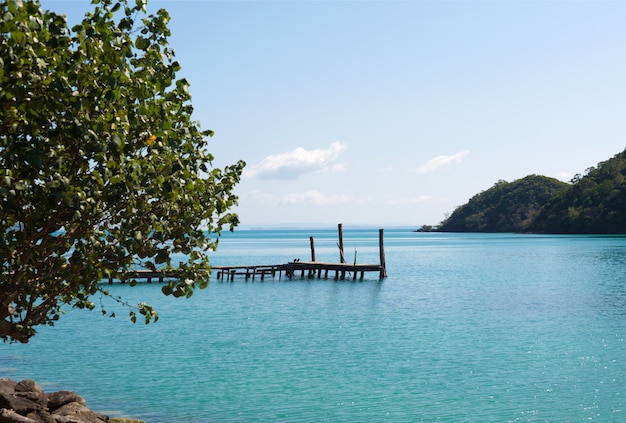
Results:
x,y
466,328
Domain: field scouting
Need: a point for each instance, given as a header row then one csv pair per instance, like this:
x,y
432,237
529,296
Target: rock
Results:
x,y
25,397
20,405
41,416
30,390
58,399
26,402
7,386
10,416
75,412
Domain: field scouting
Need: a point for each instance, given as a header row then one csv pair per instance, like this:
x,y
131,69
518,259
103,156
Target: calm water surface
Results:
x,y
466,327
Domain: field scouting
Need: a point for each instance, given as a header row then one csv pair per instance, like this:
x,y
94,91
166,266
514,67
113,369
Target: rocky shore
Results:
x,y
26,402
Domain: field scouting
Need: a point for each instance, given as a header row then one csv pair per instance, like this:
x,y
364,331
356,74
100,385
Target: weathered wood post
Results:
x,y
340,230
381,250
312,248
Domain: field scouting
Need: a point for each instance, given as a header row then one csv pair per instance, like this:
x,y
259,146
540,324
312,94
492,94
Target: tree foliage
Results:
x,y
595,203
505,207
102,168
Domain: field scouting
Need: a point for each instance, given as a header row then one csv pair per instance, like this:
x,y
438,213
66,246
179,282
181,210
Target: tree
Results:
x,y
102,168
505,207
594,203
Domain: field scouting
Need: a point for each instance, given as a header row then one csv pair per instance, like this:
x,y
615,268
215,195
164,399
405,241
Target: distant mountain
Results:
x,y
594,203
591,204
505,207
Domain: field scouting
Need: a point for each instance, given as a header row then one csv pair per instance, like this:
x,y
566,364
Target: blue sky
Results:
x,y
393,113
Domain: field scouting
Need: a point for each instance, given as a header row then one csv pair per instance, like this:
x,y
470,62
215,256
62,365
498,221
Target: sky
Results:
x,y
393,113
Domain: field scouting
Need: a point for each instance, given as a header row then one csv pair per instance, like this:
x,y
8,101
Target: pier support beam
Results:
x,y
312,241
381,251
341,256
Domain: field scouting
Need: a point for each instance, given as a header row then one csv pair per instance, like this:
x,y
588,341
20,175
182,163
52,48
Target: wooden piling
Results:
x,y
381,252
341,256
312,241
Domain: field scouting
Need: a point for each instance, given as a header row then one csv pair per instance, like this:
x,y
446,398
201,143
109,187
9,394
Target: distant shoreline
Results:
x,y
317,226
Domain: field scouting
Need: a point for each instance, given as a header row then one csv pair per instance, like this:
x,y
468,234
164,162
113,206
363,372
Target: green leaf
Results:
x,y
162,256
141,4
116,143
142,43
166,289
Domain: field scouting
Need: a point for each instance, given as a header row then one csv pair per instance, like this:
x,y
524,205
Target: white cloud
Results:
x,y
312,197
315,198
294,163
565,176
441,161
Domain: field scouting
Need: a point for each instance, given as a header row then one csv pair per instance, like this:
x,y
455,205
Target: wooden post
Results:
x,y
341,257
312,248
381,250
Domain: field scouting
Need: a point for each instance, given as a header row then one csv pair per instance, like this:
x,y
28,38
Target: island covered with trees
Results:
x,y
591,203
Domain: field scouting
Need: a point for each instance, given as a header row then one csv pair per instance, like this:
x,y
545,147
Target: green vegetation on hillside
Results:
x,y
593,203
505,207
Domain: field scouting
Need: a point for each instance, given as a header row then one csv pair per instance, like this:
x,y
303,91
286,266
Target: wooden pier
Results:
x,y
295,268
310,269
147,275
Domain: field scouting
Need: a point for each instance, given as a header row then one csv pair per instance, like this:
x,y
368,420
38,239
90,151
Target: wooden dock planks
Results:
x,y
309,269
